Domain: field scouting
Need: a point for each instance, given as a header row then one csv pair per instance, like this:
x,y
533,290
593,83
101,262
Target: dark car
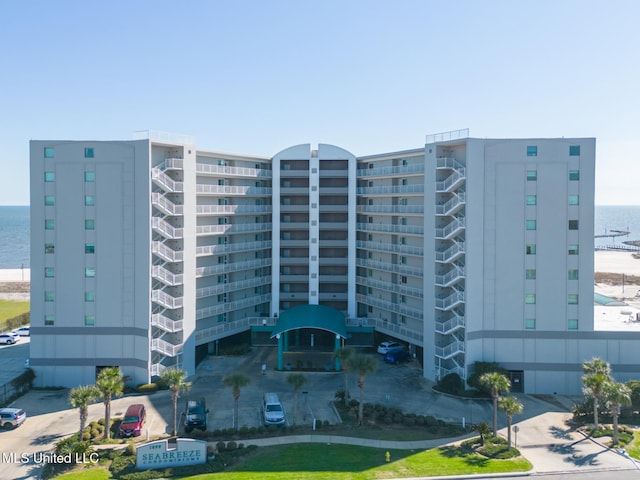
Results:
x,y
195,415
397,356
134,418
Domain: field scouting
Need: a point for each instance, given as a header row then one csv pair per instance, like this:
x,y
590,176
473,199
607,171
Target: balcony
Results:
x,y
230,228
167,254
166,348
451,206
228,172
165,182
166,206
391,209
414,189
165,276
232,248
392,248
390,306
390,267
232,190
166,229
165,323
232,267
233,209
390,287
166,300
227,329
393,229
232,287
231,306
396,330
396,171
448,163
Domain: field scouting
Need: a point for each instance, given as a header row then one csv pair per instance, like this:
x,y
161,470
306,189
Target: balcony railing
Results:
x,y
390,306
396,330
232,248
391,209
451,205
165,229
231,306
451,253
448,163
230,228
166,348
166,206
451,182
450,301
415,188
226,171
161,250
232,190
390,267
451,229
229,328
165,276
233,209
165,323
394,229
450,277
233,286
390,287
454,348
451,325
232,267
166,300
165,181
388,247
399,170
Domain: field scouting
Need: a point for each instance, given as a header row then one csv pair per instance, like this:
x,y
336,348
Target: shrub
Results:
x,y
221,446
147,388
24,381
452,384
232,445
480,368
131,448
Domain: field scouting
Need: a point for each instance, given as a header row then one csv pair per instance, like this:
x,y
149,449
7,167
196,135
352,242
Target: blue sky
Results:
x,y
370,76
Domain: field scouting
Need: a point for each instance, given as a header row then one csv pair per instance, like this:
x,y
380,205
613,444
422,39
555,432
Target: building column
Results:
x,y
335,349
280,354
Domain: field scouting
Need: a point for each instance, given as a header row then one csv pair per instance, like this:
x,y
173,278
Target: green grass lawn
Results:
x,y
633,448
344,462
10,309
336,462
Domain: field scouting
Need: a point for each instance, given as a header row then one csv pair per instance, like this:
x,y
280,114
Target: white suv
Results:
x,y
12,417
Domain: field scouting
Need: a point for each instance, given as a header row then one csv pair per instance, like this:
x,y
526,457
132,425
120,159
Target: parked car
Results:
x,y
133,421
22,331
12,417
9,338
272,410
397,356
195,415
385,347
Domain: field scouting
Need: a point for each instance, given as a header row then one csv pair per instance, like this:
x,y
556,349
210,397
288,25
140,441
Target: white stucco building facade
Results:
x,y
147,253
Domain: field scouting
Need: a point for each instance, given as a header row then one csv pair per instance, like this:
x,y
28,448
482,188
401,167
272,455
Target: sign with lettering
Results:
x,y
163,453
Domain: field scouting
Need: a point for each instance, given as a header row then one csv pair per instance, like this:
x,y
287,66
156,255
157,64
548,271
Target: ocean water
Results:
x,y
14,230
14,237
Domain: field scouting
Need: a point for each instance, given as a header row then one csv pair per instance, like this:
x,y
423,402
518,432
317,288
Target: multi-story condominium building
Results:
x,y
147,253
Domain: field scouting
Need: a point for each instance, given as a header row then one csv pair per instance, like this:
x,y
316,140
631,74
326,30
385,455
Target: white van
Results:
x,y
272,410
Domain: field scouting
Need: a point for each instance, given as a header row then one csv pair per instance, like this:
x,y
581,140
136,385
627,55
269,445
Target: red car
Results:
x,y
134,418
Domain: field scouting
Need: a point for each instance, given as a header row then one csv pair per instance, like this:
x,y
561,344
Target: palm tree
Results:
x,y
594,385
484,430
80,398
343,355
510,406
296,380
495,382
617,395
175,379
363,365
235,382
110,384
596,365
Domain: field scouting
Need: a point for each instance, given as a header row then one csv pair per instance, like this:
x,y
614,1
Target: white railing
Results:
x,y
388,247
231,306
166,300
382,227
227,171
230,287
448,163
166,253
165,323
388,171
229,328
390,267
390,287
164,180
157,369
166,229
448,254
448,302
160,273
166,348
232,190
232,267
390,306
391,190
451,350
453,226
443,372
397,330
447,136
232,209
448,183
160,136
450,277
232,248
450,205
167,206
400,209
233,228
454,323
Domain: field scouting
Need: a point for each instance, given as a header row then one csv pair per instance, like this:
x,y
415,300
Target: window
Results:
x,y
89,296
90,224
574,199
531,224
573,250
49,320
403,299
530,323
49,224
49,176
574,175
572,324
530,298
532,175
572,299
532,151
49,248
89,248
404,201
49,272
49,200
49,296
88,153
574,150
530,273
89,200
89,176
531,199
403,221
405,182
572,275
403,279
403,260
90,272
573,224
49,152
89,320
405,162
531,249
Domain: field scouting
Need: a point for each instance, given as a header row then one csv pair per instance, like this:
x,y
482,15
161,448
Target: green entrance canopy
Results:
x,y
311,316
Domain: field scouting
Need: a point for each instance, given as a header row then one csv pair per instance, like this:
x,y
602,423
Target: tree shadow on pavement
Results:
x,y
45,439
558,432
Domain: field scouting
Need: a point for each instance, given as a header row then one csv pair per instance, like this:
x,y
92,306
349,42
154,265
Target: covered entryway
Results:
x,y
310,334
